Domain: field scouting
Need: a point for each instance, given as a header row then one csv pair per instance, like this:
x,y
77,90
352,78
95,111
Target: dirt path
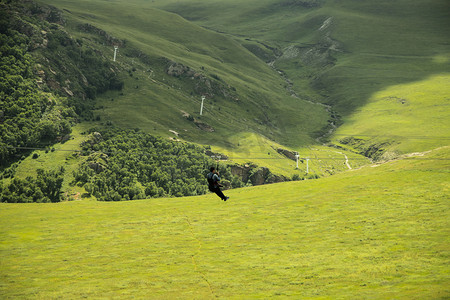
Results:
x,y
346,159
408,155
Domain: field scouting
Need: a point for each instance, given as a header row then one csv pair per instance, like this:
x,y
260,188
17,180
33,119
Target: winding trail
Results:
x,y
347,163
346,160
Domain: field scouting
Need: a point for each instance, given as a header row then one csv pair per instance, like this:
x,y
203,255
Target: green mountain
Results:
x,y
357,88
338,82
257,55
175,62
345,53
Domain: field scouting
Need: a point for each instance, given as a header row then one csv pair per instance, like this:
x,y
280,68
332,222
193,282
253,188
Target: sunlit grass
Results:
x,y
377,232
58,155
250,148
415,115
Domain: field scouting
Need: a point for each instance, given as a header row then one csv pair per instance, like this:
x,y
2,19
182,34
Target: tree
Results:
x,y
50,184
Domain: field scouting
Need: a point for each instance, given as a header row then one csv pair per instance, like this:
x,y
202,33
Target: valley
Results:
x,y
328,120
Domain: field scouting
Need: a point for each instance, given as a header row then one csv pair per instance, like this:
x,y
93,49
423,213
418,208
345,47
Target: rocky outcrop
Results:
x,y
259,175
242,172
177,70
107,38
68,91
208,86
50,13
272,178
289,154
256,175
201,125
98,162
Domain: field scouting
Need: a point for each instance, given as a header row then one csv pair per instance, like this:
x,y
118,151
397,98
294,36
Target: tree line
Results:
x,y
46,187
28,116
131,164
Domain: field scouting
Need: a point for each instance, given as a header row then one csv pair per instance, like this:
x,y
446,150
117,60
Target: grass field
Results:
x,y
380,232
374,232
415,115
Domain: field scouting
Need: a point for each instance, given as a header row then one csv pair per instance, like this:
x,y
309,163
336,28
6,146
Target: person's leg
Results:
x,y
219,193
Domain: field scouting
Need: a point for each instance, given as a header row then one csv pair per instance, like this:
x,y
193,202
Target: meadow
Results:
x,y
63,155
379,232
416,116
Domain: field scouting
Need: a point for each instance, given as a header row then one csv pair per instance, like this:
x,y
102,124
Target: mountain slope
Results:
x,y
249,96
339,53
344,53
404,118
365,45
380,231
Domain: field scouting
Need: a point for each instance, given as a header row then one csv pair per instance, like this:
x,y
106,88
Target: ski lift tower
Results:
x,y
115,52
201,107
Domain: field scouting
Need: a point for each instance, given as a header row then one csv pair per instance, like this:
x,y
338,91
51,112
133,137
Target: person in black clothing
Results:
x,y
214,183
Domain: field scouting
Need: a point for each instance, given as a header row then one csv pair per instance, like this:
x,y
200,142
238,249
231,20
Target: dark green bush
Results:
x,y
136,165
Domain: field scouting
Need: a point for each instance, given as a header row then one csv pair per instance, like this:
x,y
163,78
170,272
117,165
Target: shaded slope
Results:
x,y
346,50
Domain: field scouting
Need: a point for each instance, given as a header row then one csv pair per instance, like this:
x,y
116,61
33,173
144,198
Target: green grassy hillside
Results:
x,y
158,103
407,118
378,232
355,47
154,101
336,53
346,54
